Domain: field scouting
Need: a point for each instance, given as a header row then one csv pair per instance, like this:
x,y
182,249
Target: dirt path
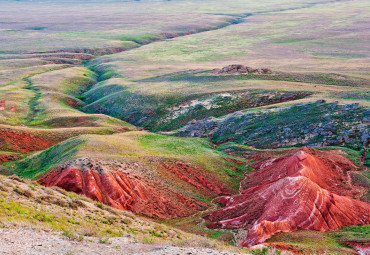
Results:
x,y
17,241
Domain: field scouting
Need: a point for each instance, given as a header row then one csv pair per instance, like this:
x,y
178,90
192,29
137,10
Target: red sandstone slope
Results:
x,y
26,140
129,186
4,157
22,141
306,189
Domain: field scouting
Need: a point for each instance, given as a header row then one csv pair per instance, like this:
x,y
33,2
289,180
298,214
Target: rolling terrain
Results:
x,y
245,122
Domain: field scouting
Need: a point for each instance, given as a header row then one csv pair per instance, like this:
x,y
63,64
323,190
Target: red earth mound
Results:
x,y
197,178
26,140
305,189
22,141
8,157
117,184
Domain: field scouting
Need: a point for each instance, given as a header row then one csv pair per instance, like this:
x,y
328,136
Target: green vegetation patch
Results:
x,y
353,155
34,166
78,85
149,149
316,78
199,152
311,242
140,39
353,233
170,111
367,159
293,125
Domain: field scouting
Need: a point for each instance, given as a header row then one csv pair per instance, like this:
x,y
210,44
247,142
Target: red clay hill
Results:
x,y
134,187
26,140
22,141
303,189
300,189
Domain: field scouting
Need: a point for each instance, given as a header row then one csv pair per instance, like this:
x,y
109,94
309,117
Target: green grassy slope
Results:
x,y
152,81
313,124
149,149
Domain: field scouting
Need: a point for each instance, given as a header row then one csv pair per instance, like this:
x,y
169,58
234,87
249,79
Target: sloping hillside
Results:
x,y
172,123
302,190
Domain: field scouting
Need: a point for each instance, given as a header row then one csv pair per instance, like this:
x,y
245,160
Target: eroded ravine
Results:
x,y
240,18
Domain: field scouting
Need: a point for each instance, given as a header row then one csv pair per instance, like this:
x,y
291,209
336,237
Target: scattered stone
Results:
x,y
33,242
233,69
2,105
13,109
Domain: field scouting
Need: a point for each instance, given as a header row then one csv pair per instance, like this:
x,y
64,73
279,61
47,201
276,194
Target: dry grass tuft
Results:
x,y
24,192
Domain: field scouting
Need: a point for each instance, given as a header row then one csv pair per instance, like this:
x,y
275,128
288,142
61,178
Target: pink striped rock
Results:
x,y
304,190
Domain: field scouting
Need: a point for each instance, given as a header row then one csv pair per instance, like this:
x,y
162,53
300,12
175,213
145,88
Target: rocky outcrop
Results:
x,y
235,69
120,185
313,124
305,189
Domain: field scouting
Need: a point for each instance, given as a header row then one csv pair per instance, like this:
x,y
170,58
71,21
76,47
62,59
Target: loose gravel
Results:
x,y
27,241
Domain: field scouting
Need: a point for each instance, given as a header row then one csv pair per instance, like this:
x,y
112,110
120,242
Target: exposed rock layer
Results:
x,y
362,248
24,142
233,69
306,189
313,124
4,157
125,186
197,178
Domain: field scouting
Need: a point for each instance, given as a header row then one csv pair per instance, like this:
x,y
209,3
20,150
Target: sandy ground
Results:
x,y
28,241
